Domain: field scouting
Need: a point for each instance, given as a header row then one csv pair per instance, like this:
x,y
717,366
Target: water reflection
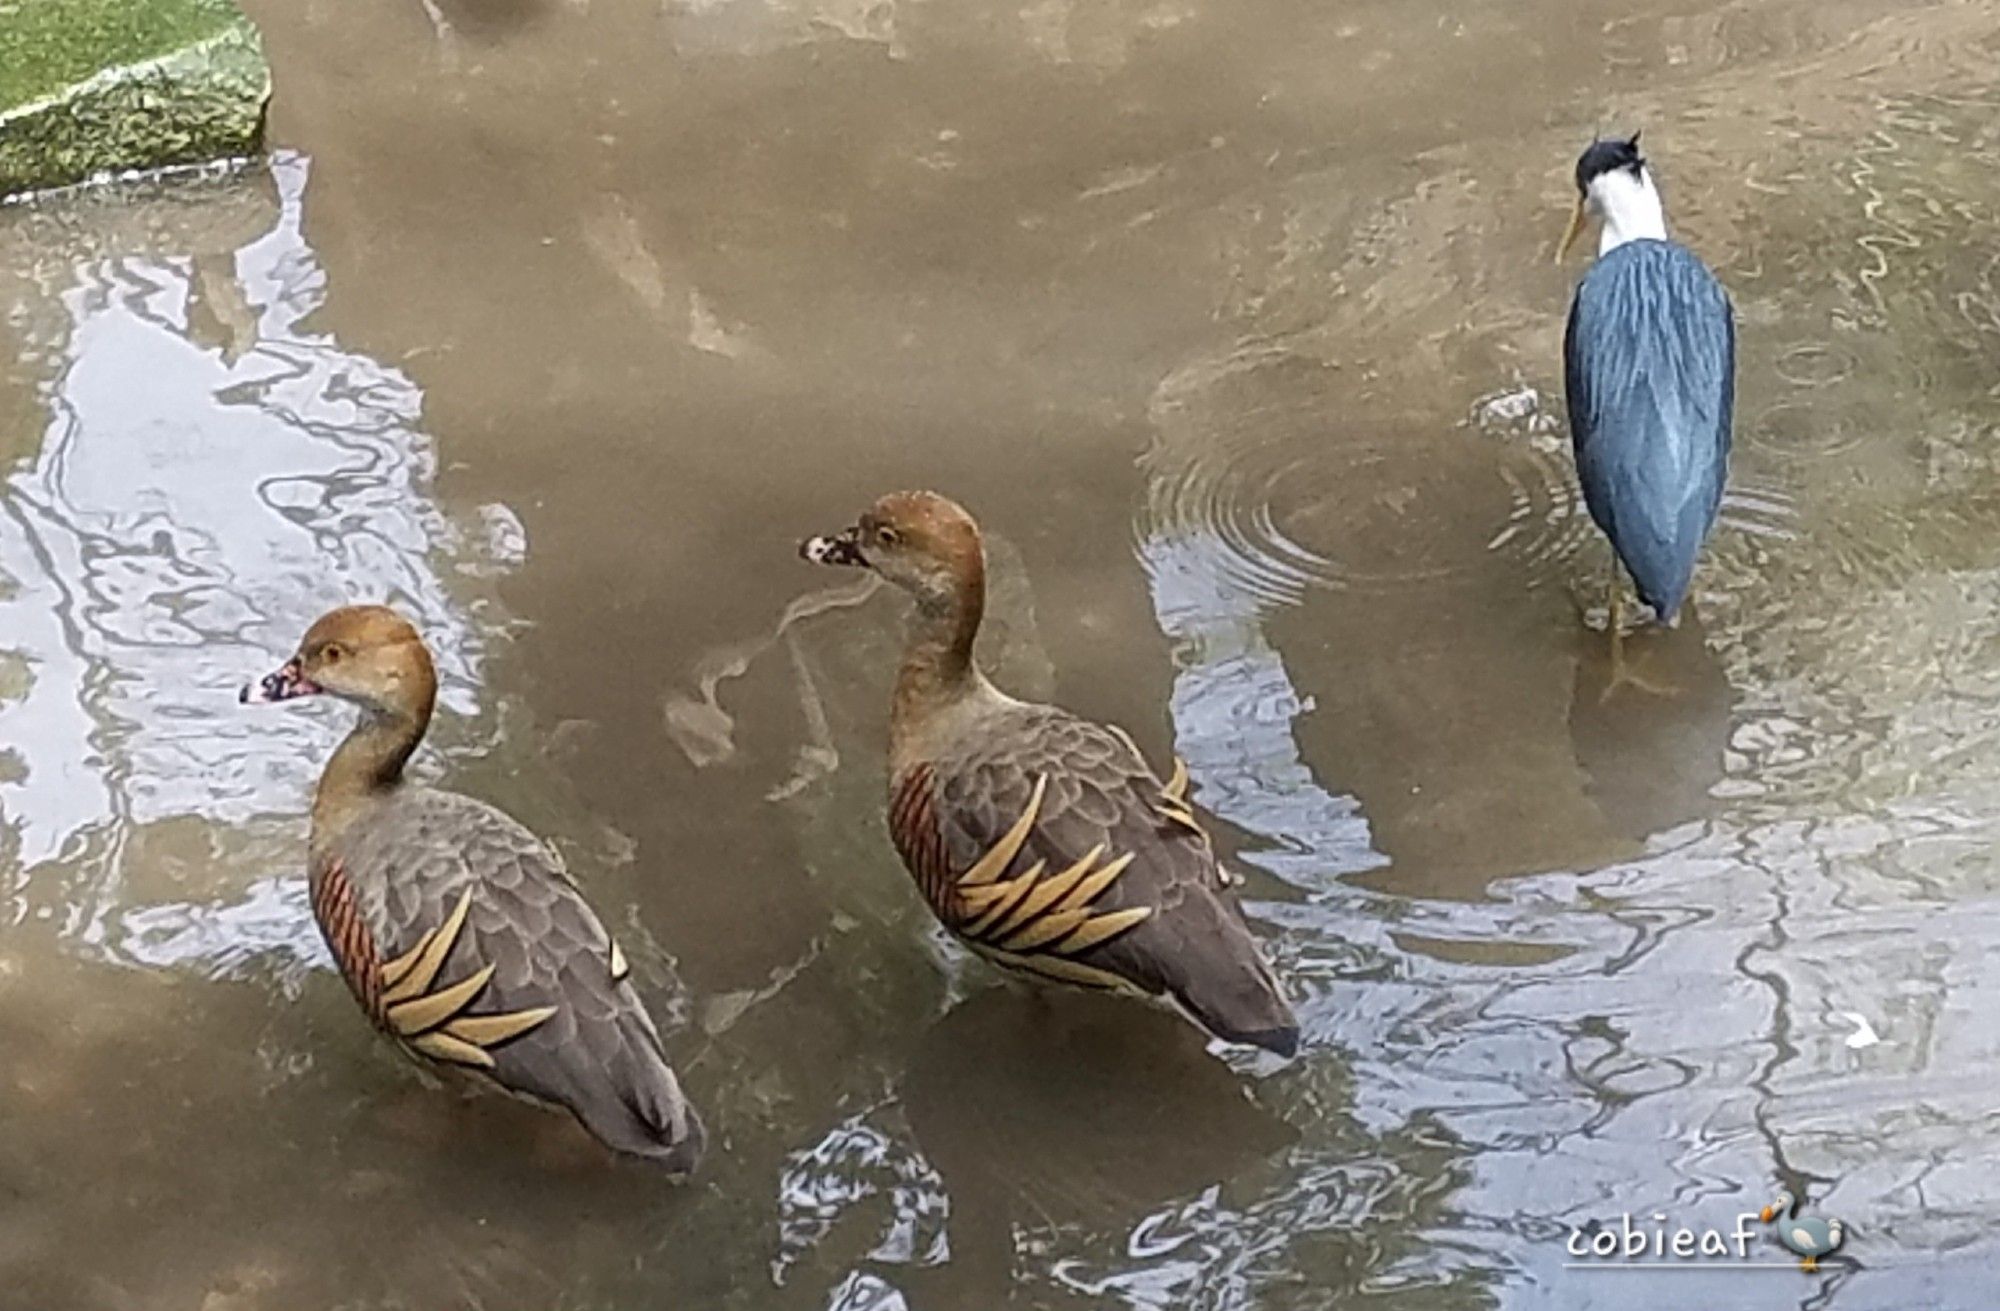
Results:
x,y
1652,737
212,474
1074,1118
1659,1017
1558,956
1447,673
1234,708
860,1178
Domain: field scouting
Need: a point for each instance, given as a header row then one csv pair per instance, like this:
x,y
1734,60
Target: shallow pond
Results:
x,y
559,321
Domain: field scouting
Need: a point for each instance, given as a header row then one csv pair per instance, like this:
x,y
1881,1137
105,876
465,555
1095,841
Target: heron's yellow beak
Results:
x,y
1575,227
1766,1214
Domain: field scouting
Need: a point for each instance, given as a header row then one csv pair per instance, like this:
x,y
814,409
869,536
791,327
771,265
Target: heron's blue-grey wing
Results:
x,y
1650,370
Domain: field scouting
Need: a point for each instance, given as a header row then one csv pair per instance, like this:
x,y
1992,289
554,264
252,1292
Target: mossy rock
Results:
x,y
89,86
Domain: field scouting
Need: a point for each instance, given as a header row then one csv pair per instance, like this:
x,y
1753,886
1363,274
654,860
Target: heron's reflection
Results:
x,y
1651,744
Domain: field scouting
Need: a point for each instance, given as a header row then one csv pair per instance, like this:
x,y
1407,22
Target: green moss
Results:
x,y
46,45
91,85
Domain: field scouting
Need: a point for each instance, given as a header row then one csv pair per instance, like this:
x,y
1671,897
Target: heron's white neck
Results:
x,y
1630,207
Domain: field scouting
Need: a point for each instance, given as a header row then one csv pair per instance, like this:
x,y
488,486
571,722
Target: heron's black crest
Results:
x,y
1605,156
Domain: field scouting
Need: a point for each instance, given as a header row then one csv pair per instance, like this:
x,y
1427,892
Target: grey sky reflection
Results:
x,y
190,509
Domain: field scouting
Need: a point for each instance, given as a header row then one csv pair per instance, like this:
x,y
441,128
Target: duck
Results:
x,y
459,931
1807,1237
1041,840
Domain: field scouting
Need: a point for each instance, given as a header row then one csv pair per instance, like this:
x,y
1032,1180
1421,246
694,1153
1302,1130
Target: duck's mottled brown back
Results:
x,y
1047,844
462,936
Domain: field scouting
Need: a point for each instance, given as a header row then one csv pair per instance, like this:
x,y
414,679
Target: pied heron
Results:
x,y
1649,367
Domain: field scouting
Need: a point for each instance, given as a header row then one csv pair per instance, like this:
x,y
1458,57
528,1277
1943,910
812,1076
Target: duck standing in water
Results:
x,y
1649,366
456,928
1041,840
1808,1237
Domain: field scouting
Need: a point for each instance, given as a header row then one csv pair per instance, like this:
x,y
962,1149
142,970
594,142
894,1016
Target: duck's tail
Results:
x,y
1244,1005
638,1108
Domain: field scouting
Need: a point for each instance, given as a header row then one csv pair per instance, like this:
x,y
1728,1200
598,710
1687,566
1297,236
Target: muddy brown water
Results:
x,y
559,322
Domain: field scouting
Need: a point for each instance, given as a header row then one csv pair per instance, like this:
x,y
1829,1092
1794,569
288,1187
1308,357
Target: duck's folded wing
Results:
x,y
1053,848
494,962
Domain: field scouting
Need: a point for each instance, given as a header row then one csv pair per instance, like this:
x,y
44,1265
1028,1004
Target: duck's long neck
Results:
x,y
1631,209
938,669
367,766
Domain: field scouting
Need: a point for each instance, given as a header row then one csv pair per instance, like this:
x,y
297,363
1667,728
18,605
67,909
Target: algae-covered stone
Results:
x,y
94,85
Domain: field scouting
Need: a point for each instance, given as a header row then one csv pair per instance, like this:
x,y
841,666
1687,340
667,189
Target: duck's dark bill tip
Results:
x,y
282,685
838,549
1280,1042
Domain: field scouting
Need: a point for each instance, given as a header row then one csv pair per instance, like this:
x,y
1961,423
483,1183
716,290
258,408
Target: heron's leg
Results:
x,y
1621,675
1580,593
1810,1264
1614,605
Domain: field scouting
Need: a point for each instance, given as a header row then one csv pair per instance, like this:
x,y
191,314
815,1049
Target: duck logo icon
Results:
x,y
1808,1237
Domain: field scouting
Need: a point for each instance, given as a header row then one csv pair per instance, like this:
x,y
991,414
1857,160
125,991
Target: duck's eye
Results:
x,y
332,653
887,536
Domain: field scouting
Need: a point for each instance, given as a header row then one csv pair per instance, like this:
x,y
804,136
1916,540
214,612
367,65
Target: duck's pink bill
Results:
x,y
281,685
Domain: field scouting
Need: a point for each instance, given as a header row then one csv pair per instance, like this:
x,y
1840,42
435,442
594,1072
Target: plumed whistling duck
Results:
x,y
456,928
1042,840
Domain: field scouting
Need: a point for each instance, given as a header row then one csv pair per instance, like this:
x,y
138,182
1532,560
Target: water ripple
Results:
x,y
1301,493
855,1169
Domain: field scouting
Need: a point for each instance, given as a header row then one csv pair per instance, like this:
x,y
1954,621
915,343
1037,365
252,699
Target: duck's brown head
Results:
x,y
367,654
924,543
